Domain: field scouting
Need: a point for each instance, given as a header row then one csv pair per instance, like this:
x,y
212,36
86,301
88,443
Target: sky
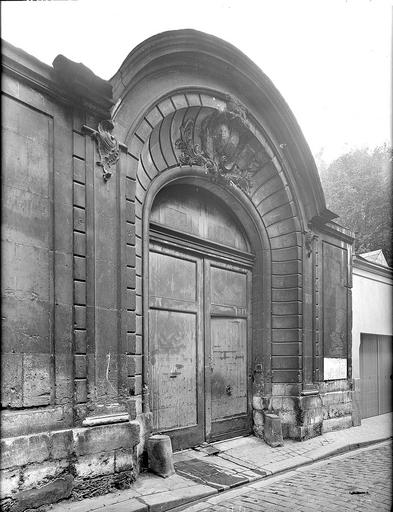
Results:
x,y
330,59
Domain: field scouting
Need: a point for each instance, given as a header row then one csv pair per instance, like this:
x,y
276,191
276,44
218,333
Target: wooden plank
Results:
x,y
369,375
172,277
228,288
385,374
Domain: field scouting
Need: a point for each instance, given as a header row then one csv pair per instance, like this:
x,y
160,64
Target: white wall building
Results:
x,y
372,333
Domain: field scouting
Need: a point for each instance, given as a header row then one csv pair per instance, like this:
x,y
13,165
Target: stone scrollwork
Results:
x,y
224,152
309,238
108,148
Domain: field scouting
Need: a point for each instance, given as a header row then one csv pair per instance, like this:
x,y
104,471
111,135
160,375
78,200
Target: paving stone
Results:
x,y
328,485
211,474
132,505
250,455
170,499
151,484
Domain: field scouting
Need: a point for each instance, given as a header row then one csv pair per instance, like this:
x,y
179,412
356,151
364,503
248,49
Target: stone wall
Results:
x,y
76,409
65,431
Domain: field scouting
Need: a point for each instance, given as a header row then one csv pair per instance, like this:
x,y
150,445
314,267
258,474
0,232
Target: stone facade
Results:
x,y
82,161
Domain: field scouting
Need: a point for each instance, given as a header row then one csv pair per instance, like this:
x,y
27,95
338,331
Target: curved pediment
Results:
x,y
188,60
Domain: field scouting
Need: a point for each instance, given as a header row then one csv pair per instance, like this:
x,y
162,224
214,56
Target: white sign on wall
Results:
x,y
334,368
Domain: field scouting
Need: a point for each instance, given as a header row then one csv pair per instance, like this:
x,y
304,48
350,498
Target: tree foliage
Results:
x,y
358,187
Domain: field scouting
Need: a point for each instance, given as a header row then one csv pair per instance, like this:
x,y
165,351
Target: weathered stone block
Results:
x,y
79,267
105,438
134,406
80,391
19,423
356,409
336,397
286,322
36,379
130,277
80,366
272,431
124,460
130,321
49,493
61,444
285,376
80,244
79,195
336,424
79,149
64,379
80,292
79,170
79,219
258,420
80,341
257,403
25,325
90,466
130,211
286,362
130,299
130,233
11,379
80,317
337,410
18,451
286,335
35,474
135,385
134,365
130,256
139,325
9,482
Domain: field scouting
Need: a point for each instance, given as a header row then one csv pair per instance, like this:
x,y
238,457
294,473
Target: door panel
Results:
x,y
228,288
229,367
176,346
173,369
227,340
172,277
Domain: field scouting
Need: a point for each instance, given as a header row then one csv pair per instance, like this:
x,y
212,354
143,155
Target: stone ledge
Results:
x,y
37,448
336,424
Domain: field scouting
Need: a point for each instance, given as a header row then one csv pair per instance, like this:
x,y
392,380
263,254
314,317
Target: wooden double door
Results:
x,y
199,346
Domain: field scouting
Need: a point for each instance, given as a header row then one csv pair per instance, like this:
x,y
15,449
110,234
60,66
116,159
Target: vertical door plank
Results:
x,y
385,374
369,375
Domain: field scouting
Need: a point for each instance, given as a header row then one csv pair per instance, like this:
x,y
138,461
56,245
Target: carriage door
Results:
x,y
199,318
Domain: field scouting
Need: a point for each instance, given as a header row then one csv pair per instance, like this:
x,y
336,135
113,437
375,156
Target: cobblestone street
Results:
x,y
358,481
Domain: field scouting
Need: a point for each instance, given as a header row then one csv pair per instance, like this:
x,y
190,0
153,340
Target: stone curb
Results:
x,y
291,467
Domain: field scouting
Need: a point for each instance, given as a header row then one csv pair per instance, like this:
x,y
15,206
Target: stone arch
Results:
x,y
153,153
189,74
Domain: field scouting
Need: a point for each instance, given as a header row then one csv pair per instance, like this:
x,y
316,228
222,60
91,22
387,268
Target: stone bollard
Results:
x,y
159,452
272,431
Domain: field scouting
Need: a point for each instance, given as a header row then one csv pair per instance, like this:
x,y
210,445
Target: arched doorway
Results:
x,y
200,278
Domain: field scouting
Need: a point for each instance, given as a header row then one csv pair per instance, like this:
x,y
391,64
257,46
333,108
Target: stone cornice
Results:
x,y
67,82
324,225
374,268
